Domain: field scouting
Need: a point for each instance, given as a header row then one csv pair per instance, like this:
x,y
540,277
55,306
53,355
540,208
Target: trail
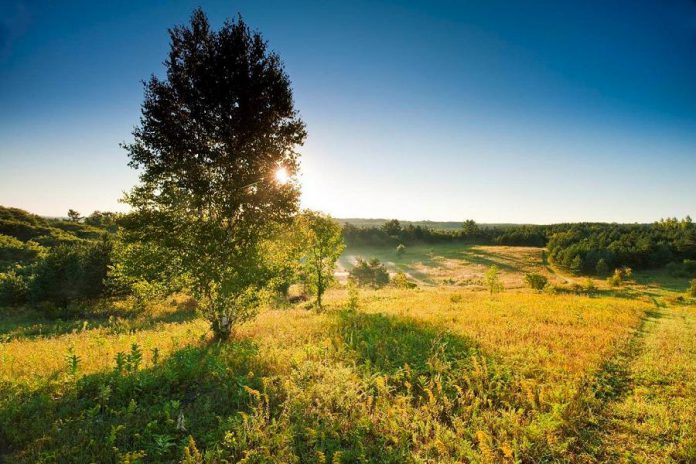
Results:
x,y
647,393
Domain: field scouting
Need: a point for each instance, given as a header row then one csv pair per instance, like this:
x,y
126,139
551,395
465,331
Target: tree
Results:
x,y
322,245
372,273
492,279
470,228
602,268
576,264
213,135
392,228
74,216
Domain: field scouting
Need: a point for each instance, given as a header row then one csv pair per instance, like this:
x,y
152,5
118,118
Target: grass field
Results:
x,y
441,373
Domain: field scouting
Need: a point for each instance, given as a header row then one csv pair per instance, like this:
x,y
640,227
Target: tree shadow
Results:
x,y
30,323
385,343
101,417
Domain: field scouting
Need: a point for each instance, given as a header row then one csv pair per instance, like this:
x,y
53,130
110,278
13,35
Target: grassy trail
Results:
x,y
647,394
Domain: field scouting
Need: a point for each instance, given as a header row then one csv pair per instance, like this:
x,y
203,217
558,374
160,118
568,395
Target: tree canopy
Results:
x,y
212,135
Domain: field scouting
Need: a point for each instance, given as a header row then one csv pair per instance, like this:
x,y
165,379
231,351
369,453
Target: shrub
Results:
x,y
492,280
602,268
14,252
676,270
401,249
590,286
690,266
353,296
616,278
14,289
536,281
370,273
72,273
400,280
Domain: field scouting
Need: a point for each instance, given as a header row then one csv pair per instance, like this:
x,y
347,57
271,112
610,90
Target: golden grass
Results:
x,y
436,374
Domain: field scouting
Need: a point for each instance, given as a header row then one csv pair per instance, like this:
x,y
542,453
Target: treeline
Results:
x,y
392,233
600,248
583,248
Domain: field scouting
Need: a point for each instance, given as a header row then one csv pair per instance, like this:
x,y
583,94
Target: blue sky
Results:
x,y
540,111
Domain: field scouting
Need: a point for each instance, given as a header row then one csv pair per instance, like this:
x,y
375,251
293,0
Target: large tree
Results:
x,y
212,136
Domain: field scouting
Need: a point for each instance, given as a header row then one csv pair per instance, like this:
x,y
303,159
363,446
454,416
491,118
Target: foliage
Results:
x,y
492,280
400,280
602,268
321,243
536,281
72,273
14,289
581,247
211,137
353,302
74,216
616,278
14,252
400,249
369,273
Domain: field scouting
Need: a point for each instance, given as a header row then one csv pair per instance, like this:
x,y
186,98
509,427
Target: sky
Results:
x,y
500,111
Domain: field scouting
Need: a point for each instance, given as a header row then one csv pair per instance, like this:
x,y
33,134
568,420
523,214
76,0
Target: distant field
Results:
x,y
441,373
455,264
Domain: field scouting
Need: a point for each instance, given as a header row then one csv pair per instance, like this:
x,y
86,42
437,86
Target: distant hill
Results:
x,y
24,226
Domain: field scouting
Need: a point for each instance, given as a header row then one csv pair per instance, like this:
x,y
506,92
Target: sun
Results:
x,y
282,176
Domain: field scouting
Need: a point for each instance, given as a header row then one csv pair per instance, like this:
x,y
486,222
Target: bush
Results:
x,y
72,273
14,252
492,280
370,273
14,289
676,270
616,278
536,281
690,266
400,280
353,302
401,249
602,268
590,286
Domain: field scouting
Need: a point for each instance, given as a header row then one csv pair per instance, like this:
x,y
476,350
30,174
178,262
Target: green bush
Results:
x,y
400,280
72,273
14,252
536,281
370,273
602,268
492,280
14,289
616,279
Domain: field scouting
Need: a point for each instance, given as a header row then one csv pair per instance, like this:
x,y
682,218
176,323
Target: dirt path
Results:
x,y
647,394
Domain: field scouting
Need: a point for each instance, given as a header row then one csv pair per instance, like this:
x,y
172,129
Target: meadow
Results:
x,y
442,373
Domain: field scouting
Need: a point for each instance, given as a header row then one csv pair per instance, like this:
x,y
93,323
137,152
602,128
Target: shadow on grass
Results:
x,y
385,344
102,417
30,323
